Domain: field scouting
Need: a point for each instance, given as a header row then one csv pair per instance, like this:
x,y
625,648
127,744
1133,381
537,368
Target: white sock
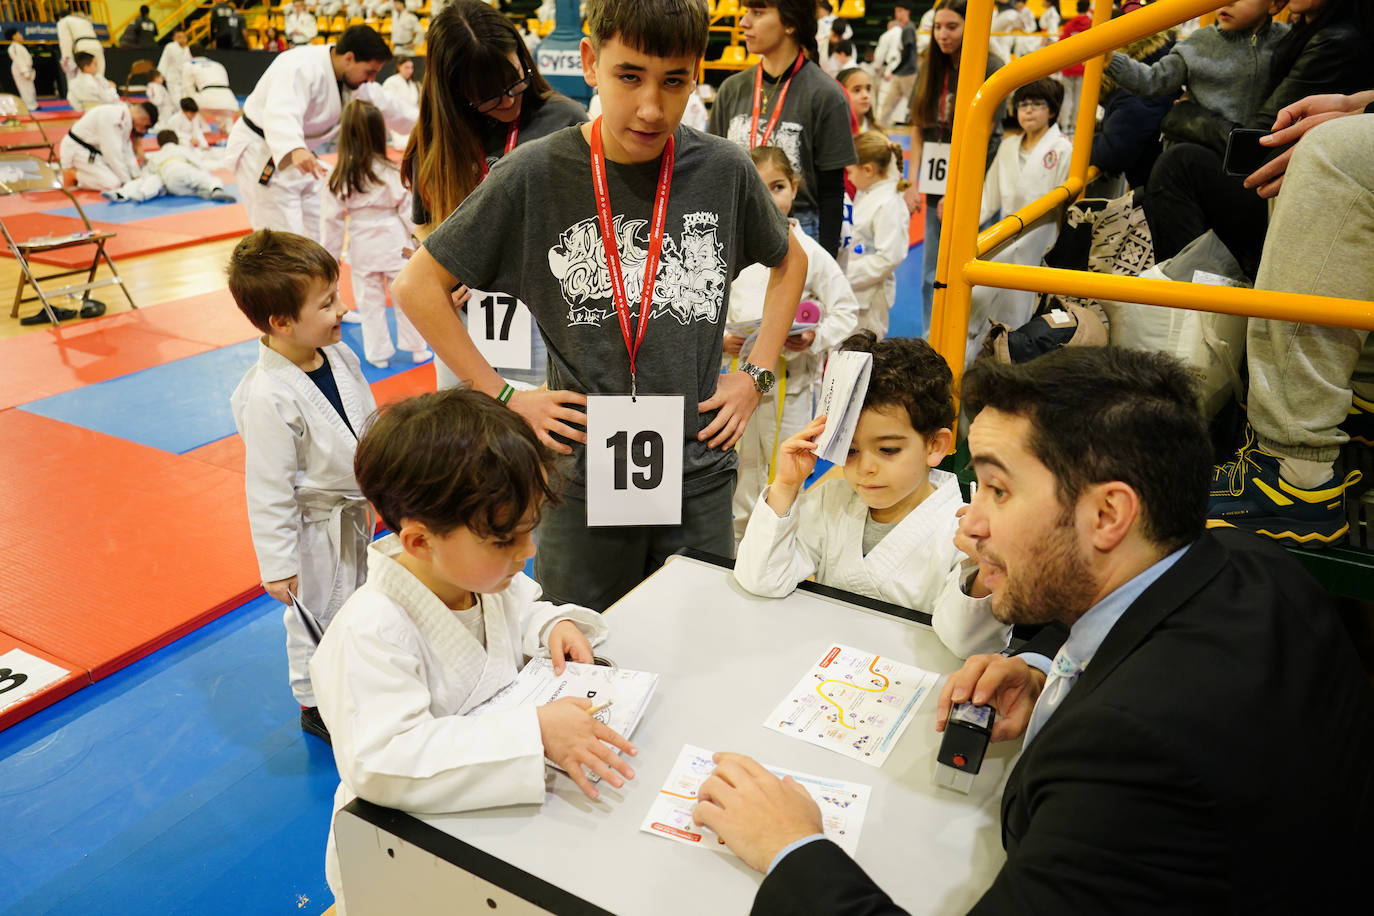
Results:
x,y
1305,474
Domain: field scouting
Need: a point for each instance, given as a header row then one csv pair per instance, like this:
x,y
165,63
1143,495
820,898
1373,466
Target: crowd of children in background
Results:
x,y
796,185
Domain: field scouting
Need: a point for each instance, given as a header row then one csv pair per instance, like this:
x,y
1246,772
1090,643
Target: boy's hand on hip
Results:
x,y
549,412
736,399
283,589
572,739
568,643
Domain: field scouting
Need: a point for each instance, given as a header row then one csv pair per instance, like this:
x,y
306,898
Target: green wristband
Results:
x,y
506,392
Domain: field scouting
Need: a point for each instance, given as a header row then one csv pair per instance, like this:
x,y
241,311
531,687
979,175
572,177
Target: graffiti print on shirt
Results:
x,y
690,285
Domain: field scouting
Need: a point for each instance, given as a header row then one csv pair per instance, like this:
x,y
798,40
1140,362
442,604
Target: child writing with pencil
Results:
x,y
887,529
447,617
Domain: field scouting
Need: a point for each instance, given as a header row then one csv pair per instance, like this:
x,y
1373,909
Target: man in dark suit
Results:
x,y
1204,742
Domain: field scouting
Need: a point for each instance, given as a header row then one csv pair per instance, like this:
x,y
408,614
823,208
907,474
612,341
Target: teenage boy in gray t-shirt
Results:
x,y
532,230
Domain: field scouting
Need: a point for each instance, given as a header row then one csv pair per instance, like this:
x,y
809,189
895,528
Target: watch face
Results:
x,y
765,380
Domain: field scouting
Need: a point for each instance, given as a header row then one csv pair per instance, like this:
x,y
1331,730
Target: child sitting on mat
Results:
x,y
446,619
173,169
299,410
887,529
87,88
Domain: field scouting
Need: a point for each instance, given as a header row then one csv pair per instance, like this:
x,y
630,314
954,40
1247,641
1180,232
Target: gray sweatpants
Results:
x,y
1302,375
595,567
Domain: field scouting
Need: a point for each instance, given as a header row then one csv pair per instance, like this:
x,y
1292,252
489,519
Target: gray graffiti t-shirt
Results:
x,y
531,230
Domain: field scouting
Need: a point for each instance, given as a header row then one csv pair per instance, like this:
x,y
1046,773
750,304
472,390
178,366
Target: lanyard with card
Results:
x,y
512,137
934,169
634,444
755,138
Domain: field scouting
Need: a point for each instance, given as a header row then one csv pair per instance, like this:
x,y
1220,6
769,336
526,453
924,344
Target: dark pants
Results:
x,y
595,567
1189,193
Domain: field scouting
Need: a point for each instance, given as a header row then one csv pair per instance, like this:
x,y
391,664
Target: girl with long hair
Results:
x,y
365,194
481,96
932,119
787,100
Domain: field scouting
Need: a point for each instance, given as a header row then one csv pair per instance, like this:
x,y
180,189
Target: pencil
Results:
x,y
596,709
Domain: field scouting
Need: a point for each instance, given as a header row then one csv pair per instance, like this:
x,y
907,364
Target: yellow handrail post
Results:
x,y
1087,101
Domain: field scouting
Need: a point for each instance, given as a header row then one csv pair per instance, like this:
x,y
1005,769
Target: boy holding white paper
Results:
x,y
887,530
445,620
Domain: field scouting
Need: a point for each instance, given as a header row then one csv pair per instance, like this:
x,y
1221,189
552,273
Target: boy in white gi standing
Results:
x,y
21,68
299,411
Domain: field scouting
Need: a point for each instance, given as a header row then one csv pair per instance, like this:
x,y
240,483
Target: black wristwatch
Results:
x,y
764,379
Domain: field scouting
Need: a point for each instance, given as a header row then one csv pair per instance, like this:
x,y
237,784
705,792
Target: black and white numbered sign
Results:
x,y
934,167
634,460
500,326
22,675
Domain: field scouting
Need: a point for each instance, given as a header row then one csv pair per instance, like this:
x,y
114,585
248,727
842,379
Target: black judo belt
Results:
x,y
271,168
94,150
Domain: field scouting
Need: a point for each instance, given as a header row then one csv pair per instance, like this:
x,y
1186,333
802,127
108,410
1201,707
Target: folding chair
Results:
x,y
22,174
138,76
12,108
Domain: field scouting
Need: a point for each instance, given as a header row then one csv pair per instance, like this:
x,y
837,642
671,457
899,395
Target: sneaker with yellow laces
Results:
x,y
1249,493
1359,422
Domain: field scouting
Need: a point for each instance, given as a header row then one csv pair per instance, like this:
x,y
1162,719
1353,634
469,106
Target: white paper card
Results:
x,y
843,804
23,675
842,400
934,167
501,327
854,703
537,685
634,460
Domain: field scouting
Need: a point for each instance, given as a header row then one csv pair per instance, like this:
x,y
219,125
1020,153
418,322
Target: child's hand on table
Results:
x,y
568,643
573,740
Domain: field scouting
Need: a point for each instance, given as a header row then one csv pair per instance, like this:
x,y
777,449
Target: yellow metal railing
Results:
x,y
978,103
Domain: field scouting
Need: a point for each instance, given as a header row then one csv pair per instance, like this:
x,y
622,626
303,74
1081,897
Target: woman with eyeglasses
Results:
x,y
481,96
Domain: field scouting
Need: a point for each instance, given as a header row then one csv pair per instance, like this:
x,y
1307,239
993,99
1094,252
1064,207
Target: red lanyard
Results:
x,y
512,133
755,138
633,338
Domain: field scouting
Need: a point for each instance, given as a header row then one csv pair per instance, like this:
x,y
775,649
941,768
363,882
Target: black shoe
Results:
x,y
41,316
312,723
92,308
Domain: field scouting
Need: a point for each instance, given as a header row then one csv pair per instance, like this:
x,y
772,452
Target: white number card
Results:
x,y
634,460
500,326
22,675
934,168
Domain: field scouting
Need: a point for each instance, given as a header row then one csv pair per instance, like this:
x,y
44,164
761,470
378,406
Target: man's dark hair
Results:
x,y
844,47
189,105
11,32
364,43
150,110
1104,413
165,137
659,28
1084,5
83,59
797,15
143,10
1046,90
908,373
270,273
454,458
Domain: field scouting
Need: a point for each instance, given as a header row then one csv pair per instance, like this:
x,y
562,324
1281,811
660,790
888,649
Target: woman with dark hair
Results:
x,y
481,96
1328,50
787,100
932,116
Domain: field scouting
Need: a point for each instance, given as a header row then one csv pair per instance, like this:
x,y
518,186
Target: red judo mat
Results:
x,y
135,237
54,360
112,549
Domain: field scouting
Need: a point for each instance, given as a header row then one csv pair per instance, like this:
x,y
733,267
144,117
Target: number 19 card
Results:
x,y
634,460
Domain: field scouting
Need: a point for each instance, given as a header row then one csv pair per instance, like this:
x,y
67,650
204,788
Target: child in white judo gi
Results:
x,y
21,68
783,411
365,192
161,98
173,169
299,410
446,619
100,146
880,241
188,125
88,88
887,529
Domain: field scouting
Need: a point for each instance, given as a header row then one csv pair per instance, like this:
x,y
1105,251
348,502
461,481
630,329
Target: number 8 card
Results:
x,y
634,460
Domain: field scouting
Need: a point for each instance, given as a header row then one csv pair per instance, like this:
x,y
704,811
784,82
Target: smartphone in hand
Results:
x,y
1244,153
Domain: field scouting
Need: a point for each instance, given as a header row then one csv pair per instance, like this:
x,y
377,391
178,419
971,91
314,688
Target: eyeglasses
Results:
x,y
514,90
1032,104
